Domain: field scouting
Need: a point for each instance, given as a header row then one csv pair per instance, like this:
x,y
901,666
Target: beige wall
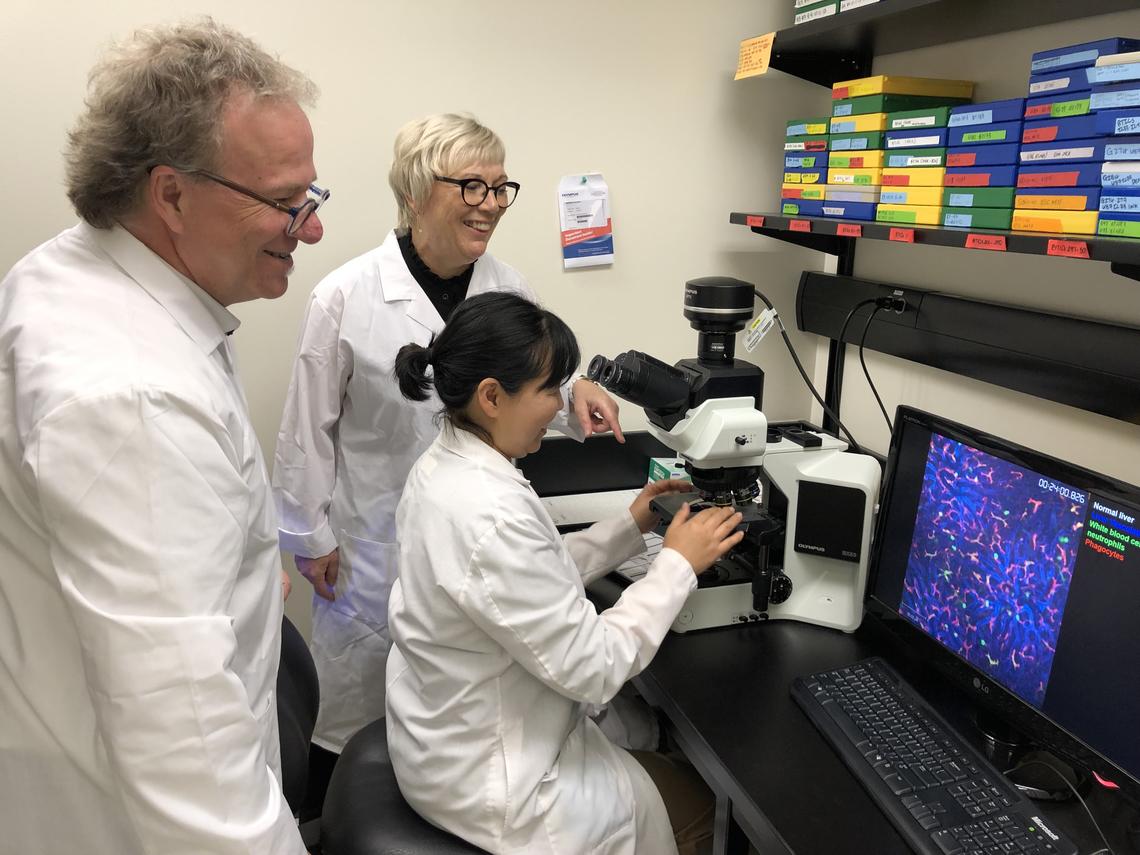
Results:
x,y
640,91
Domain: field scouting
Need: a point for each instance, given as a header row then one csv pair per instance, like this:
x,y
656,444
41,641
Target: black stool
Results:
x,y
364,813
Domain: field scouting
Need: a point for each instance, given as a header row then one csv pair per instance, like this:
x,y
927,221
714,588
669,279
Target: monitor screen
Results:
x,y
1024,572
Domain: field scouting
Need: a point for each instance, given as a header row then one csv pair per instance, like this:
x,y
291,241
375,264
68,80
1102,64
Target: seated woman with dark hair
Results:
x,y
497,651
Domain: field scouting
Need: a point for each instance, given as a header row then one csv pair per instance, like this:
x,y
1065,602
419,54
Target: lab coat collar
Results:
x,y
398,285
468,446
202,317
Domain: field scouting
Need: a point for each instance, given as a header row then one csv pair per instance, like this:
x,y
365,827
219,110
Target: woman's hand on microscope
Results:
x,y
643,515
705,536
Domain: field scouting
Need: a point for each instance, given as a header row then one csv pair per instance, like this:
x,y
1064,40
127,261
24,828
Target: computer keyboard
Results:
x,y
940,793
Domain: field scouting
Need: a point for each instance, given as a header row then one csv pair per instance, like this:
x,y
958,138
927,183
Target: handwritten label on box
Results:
x,y
1067,248
904,235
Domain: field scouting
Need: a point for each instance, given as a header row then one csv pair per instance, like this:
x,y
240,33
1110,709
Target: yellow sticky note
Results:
x,y
754,56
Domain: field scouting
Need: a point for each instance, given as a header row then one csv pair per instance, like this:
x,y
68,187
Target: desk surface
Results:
x,y
726,693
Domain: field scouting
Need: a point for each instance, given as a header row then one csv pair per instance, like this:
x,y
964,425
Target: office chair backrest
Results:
x,y
298,698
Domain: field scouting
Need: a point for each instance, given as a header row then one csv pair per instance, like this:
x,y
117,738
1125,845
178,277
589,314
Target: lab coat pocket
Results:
x,y
369,570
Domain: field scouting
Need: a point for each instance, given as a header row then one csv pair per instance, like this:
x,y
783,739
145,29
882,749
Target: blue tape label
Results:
x,y
893,197
1131,204
1113,73
961,200
843,127
1113,100
1120,179
960,220
1084,57
1122,151
976,117
1127,125
842,110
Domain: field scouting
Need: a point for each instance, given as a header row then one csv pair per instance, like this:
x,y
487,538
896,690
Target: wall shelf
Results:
x,y
827,235
842,46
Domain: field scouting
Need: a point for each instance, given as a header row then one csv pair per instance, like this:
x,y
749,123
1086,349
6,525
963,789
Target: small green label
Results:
x,y
790,209
898,216
983,136
807,161
1070,108
863,179
1118,228
842,162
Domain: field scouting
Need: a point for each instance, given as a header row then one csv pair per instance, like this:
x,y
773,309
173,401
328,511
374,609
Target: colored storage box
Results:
x,y
1110,122
1115,96
888,104
1118,225
802,208
806,143
927,117
805,176
804,161
984,155
855,159
850,210
1056,108
1059,175
975,135
982,197
931,138
1080,55
977,218
803,191
1122,174
816,11
1115,73
922,176
806,127
981,176
911,196
856,177
1059,199
1066,151
1066,82
1058,222
908,158
858,142
884,84
848,193
918,215
1120,200
1122,148
859,124
1054,130
987,113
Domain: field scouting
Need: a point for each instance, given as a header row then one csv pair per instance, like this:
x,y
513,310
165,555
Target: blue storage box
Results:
x,y
1115,96
976,135
1059,107
1051,130
1122,200
817,159
980,176
1060,175
1122,148
917,138
1078,56
801,207
849,210
1091,196
1126,174
987,113
1065,151
1059,82
1117,121
983,155
1119,73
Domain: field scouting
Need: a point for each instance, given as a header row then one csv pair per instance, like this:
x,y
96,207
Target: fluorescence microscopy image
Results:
x,y
991,563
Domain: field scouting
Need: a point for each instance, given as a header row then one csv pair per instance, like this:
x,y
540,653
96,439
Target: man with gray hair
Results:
x,y
140,632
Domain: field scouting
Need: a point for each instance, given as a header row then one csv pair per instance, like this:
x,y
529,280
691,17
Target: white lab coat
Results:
x,y
140,590
497,653
347,440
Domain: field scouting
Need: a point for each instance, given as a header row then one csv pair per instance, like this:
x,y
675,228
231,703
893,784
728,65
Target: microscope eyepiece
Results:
x,y
642,380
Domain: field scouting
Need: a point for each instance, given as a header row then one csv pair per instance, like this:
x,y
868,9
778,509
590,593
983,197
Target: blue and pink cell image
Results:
x,y
991,563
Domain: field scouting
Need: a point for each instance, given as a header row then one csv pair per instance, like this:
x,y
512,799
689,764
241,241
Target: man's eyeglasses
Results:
x,y
299,213
475,190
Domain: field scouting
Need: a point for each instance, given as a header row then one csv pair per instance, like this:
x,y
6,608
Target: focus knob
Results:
x,y
781,588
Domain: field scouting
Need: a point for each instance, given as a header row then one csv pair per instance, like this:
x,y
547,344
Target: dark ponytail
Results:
x,y
499,335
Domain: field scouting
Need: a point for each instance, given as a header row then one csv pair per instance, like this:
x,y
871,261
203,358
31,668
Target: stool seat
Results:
x,y
364,812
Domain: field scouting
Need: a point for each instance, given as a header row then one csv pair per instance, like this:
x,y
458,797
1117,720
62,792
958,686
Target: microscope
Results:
x,y
807,502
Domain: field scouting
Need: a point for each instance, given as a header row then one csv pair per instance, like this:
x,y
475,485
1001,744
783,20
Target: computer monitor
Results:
x,y
1018,576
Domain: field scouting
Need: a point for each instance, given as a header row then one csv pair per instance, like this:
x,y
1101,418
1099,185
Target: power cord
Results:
x,y
862,340
837,389
1107,850
799,365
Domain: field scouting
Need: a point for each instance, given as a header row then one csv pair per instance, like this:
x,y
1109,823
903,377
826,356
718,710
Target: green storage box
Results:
x,y
977,218
890,104
866,141
907,158
978,197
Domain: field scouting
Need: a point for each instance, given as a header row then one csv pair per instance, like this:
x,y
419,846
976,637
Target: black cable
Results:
x,y
1107,847
837,390
862,340
796,359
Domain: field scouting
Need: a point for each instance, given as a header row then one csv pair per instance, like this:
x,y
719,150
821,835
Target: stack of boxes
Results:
x,y
864,148
812,10
805,167
1062,152
1116,97
981,164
